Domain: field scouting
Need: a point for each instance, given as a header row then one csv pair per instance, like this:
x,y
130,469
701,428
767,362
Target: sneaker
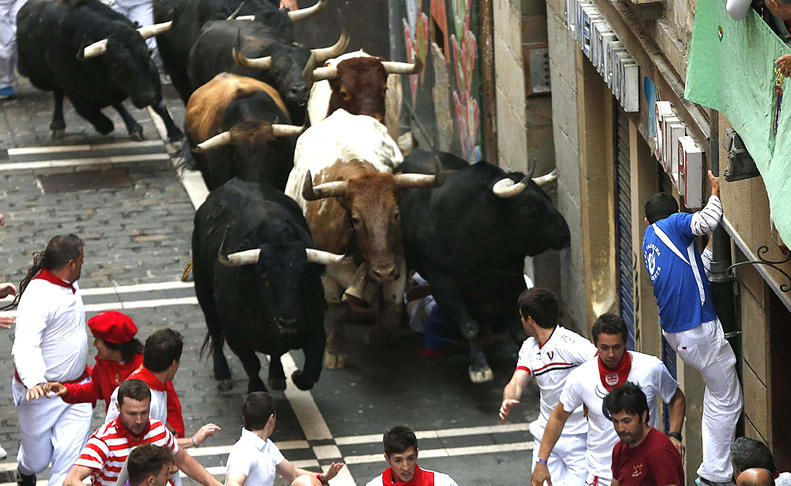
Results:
x,y
23,480
7,92
3,453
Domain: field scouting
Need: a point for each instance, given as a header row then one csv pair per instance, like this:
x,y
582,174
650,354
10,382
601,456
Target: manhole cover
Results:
x,y
84,181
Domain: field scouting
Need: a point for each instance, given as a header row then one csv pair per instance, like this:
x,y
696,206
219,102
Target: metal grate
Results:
x,y
84,181
623,223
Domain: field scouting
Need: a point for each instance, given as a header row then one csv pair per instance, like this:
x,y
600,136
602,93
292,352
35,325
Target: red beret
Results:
x,y
113,327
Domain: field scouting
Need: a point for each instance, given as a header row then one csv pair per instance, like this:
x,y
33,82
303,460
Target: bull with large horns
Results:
x,y
94,56
257,279
189,17
469,239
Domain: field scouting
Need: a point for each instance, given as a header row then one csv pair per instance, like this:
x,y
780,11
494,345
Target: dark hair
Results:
x,y
660,206
60,249
162,349
147,460
541,305
128,349
627,398
256,410
609,324
398,439
134,389
749,453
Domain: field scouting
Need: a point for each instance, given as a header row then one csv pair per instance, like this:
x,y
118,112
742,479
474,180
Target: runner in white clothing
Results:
x,y
550,354
50,345
592,381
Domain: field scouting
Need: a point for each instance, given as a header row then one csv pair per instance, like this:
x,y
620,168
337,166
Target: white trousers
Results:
x,y
52,431
142,13
8,11
706,349
566,463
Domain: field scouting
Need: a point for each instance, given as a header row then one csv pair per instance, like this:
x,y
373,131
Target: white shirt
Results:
x,y
550,364
254,457
158,409
50,342
440,479
784,479
583,386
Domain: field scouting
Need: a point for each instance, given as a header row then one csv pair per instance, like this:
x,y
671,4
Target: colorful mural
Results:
x,y
460,47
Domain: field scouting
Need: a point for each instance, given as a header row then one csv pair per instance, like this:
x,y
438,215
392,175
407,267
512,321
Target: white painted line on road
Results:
x,y
53,149
134,304
286,445
436,434
56,164
449,452
127,289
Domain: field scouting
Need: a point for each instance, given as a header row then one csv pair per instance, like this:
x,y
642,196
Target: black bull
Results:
x,y
51,37
211,55
188,18
470,245
272,305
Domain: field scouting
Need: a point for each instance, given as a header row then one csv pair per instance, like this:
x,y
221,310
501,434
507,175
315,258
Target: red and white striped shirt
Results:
x,y
108,448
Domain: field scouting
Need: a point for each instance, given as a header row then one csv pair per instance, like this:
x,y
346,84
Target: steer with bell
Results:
x,y
85,51
469,239
257,279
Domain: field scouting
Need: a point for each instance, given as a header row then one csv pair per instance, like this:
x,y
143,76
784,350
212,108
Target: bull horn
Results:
x,y
328,189
322,73
323,53
415,180
281,130
261,63
505,187
393,67
303,13
237,11
151,30
96,49
546,179
214,142
323,257
246,257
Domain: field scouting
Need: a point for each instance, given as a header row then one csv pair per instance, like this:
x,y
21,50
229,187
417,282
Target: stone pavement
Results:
x,y
137,226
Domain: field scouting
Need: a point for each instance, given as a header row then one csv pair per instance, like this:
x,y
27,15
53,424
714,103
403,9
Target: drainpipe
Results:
x,y
722,285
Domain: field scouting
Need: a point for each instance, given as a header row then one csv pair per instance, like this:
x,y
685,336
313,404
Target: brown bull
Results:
x,y
362,220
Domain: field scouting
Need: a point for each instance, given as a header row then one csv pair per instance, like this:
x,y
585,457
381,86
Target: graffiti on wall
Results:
x,y
460,48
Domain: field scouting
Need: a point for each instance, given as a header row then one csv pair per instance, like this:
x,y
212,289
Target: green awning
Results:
x,y
731,69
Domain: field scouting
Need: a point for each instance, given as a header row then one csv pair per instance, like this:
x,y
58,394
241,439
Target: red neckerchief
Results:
x,y
54,279
421,478
175,419
612,379
133,440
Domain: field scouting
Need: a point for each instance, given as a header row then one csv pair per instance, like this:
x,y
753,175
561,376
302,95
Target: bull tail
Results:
x,y
214,340
186,161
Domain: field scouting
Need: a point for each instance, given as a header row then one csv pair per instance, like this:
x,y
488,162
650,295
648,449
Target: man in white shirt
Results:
x,y
749,453
255,460
50,344
589,383
401,451
550,354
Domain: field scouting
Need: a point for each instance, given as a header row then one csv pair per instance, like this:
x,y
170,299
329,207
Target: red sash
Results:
x,y
84,375
421,478
54,279
612,379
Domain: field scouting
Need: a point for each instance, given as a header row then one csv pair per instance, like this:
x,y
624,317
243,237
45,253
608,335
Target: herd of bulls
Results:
x,y
302,228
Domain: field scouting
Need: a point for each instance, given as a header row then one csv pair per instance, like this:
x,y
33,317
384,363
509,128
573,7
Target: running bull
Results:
x,y
469,239
240,127
189,17
255,50
257,280
343,181
85,51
